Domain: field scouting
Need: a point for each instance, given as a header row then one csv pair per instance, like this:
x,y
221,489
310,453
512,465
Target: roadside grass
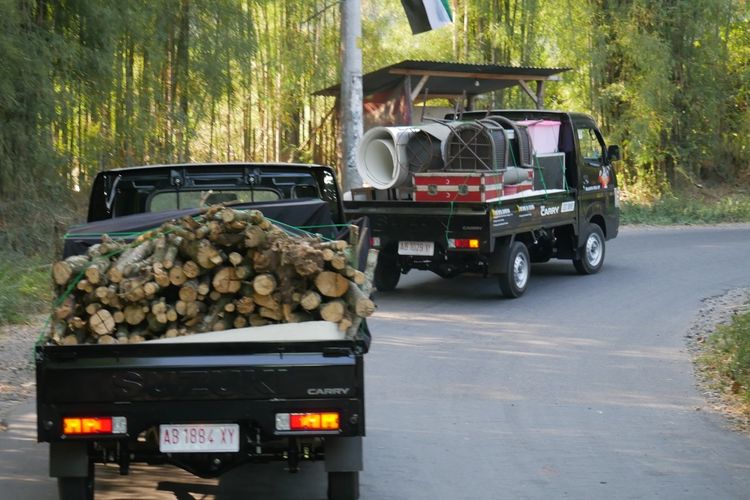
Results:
x,y
686,209
25,287
32,226
726,363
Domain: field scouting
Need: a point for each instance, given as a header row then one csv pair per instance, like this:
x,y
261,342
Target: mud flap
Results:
x,y
68,460
498,263
343,454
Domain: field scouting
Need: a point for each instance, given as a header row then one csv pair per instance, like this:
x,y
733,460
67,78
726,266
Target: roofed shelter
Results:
x,y
391,93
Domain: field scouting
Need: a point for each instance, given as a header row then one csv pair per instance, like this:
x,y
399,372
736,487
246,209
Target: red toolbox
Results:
x,y
462,187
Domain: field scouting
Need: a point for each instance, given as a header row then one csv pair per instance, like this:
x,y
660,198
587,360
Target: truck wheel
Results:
x,y
591,252
343,485
76,488
387,272
514,282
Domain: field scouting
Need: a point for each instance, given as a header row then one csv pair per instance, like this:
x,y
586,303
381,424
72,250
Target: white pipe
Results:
x,y
381,157
436,129
515,175
381,164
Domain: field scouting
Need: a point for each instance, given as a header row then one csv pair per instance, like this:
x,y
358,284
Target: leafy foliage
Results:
x,y
24,287
91,85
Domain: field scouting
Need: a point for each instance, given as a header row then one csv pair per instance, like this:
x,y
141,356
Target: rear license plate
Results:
x,y
190,438
416,248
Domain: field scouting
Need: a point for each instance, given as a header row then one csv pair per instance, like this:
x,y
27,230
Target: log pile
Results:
x,y
223,269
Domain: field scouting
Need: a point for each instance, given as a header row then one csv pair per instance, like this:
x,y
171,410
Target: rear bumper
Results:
x,y
252,416
241,383
260,442
436,222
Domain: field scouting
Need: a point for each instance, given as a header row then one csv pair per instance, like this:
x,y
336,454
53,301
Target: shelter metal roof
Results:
x,y
449,78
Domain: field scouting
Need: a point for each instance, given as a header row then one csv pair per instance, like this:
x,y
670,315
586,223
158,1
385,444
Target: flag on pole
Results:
x,y
426,15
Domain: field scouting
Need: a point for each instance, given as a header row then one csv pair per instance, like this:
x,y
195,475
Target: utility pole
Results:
x,y
351,90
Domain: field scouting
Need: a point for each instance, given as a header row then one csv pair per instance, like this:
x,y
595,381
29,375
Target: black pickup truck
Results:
x,y
502,237
206,407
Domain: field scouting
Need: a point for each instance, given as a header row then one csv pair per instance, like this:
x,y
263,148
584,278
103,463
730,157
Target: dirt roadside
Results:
x,y
17,365
716,311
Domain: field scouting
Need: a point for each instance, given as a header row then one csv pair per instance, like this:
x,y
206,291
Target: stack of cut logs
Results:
x,y
224,269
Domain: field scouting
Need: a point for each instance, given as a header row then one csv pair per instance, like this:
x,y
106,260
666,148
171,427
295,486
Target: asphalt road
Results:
x,y
581,389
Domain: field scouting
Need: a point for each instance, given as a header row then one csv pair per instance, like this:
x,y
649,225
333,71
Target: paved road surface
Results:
x,y
581,389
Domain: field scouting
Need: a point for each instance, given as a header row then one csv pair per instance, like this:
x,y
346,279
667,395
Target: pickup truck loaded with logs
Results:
x,y
488,192
198,324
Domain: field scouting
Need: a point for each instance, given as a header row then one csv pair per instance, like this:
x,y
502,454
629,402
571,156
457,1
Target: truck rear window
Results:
x,y
167,200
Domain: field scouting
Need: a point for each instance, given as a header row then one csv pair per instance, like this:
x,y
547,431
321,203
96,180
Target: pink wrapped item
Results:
x,y
544,135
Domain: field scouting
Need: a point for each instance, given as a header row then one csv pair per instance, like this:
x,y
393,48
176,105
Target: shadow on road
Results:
x,y
249,482
425,286
24,475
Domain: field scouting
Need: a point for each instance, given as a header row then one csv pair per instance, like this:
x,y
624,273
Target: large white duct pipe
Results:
x,y
386,157
380,166
438,130
381,157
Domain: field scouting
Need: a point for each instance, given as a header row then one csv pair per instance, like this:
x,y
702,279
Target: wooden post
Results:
x,y
527,89
409,104
540,94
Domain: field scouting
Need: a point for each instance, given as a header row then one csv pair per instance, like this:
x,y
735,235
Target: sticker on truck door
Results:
x,y
545,210
568,206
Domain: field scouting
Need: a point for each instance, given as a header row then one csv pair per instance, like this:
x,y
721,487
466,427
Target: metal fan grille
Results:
x,y
476,146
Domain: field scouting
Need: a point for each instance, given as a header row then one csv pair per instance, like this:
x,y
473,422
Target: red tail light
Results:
x,y
94,425
319,421
471,243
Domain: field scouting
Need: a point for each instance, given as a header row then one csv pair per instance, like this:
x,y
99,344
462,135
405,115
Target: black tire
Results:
x,y
591,250
343,485
76,488
387,272
513,283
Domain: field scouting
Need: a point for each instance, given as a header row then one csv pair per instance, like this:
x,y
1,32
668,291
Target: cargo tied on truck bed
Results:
x,y
208,316
488,192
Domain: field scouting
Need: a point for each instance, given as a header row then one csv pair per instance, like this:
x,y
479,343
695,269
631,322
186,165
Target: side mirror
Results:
x,y
613,153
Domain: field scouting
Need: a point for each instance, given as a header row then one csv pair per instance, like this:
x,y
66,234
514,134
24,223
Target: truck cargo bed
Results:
x,y
439,221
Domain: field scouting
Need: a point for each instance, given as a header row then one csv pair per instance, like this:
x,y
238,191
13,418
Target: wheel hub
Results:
x,y
520,271
593,250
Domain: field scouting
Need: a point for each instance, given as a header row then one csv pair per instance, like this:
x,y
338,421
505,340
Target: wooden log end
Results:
x,y
331,284
102,323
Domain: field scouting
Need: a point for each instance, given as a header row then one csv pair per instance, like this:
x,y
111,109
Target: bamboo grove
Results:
x,y
87,85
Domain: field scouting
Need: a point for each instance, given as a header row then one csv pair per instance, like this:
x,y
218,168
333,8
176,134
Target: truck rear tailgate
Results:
x,y
398,221
152,384
439,221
